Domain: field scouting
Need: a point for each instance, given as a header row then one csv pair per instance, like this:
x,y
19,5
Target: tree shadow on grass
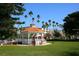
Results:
x,y
71,53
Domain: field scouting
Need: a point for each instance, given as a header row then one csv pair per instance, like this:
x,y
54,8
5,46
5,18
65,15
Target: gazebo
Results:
x,y
32,33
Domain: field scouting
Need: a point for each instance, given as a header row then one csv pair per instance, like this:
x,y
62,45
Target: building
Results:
x,y
30,34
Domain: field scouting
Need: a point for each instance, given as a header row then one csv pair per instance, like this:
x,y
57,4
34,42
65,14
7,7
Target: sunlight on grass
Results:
x,y
56,48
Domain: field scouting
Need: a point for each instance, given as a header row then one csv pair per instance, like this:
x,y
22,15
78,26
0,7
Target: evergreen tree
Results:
x,y
71,22
8,13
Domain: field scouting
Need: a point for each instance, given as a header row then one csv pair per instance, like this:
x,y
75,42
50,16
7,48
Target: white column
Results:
x,y
42,35
28,37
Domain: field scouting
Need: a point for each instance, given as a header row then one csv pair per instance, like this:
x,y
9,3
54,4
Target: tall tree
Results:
x,y
56,23
49,22
46,25
33,20
71,22
56,33
30,13
8,13
38,16
53,24
42,22
19,23
38,21
25,16
43,26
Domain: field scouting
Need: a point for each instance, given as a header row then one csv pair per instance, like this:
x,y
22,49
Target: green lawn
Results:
x,y
57,48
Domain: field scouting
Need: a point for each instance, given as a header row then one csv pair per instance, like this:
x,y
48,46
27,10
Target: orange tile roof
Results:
x,y
33,29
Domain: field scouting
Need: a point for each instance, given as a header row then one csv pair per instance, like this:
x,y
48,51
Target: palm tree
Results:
x,y
30,13
56,24
49,22
46,25
43,25
33,20
53,24
38,16
42,22
25,16
38,21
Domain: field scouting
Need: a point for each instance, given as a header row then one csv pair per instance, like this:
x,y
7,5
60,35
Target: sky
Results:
x,y
54,11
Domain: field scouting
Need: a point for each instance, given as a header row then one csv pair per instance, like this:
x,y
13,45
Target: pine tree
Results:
x,y
7,19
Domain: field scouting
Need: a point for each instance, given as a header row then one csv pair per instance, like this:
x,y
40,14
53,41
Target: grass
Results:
x,y
57,48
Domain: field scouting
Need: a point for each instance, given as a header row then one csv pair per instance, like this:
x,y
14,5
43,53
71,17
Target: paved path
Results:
x,y
28,45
